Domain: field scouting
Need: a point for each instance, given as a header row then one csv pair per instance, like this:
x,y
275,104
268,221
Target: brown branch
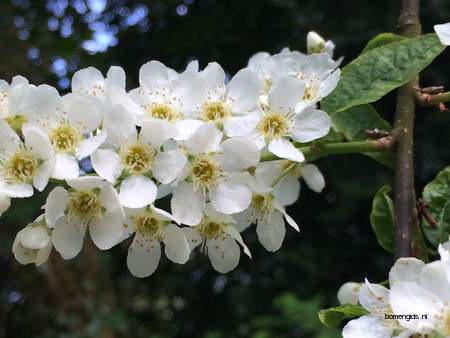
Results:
x,y
405,210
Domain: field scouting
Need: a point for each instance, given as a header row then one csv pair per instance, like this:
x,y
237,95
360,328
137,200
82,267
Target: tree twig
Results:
x,y
405,209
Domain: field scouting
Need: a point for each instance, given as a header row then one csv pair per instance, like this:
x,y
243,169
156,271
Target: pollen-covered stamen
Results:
x,y
210,229
86,205
204,171
273,125
150,226
162,112
311,91
21,167
214,111
138,158
65,138
262,203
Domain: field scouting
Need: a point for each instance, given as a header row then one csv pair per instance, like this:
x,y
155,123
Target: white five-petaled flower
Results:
x,y
67,124
233,106
267,210
218,237
24,164
90,203
377,300
152,226
209,175
282,120
12,97
169,97
33,244
136,157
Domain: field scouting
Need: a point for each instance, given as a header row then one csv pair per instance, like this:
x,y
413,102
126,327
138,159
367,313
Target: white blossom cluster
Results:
x,y
192,135
416,305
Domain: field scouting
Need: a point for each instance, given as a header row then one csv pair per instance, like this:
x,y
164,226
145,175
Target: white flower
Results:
x,y
218,238
378,301
5,203
24,164
33,244
12,97
90,202
233,106
267,211
349,293
443,33
168,96
427,294
209,175
282,121
67,124
136,156
152,226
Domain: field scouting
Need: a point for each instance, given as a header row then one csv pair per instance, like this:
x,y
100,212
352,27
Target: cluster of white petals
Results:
x,y
417,303
193,137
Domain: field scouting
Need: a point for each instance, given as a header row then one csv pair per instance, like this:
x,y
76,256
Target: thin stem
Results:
x,y
317,151
405,211
433,100
285,172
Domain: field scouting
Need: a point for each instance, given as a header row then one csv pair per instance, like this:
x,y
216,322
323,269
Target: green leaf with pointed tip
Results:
x,y
437,196
380,70
381,40
333,317
354,122
382,218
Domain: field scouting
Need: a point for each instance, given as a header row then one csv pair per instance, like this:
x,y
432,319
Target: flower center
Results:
x,y
149,225
65,138
311,92
138,158
273,125
262,203
85,204
204,172
162,112
21,167
209,229
214,111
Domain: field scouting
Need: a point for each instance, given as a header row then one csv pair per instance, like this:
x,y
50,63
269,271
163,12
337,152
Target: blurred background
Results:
x,y
274,295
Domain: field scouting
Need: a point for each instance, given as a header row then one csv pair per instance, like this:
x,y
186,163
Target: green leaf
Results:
x,y
380,70
382,218
354,122
381,40
333,317
437,196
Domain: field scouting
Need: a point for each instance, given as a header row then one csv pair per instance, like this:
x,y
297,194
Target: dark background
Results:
x,y
274,295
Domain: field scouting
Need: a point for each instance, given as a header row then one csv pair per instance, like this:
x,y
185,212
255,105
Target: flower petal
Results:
x,y
107,164
157,132
443,33
37,141
406,270
82,112
108,232
271,231
239,154
187,205
193,237
310,125
241,125
66,167
206,139
367,326
285,94
224,254
244,89
68,236
143,256
137,191
43,173
55,205
285,149
176,246
313,177
91,144
168,165
230,197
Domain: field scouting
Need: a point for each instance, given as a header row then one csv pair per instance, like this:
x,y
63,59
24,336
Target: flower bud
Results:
x,y
33,244
348,293
315,43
